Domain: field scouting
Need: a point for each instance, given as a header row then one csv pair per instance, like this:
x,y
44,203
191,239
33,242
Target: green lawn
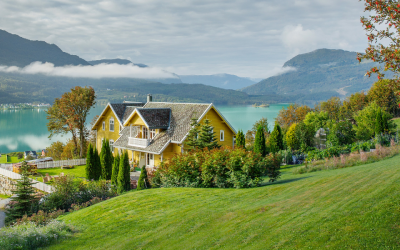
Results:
x,y
3,159
350,208
3,196
78,171
397,122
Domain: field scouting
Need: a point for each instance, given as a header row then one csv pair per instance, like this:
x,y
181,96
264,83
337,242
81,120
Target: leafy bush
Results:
x,y
29,236
223,168
40,218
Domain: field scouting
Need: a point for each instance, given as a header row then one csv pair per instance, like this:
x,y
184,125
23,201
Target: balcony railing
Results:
x,y
138,142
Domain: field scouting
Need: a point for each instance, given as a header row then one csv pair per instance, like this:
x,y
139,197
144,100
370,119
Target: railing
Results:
x,y
138,142
6,166
39,185
56,164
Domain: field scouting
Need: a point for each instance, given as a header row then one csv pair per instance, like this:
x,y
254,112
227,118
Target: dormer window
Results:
x,y
104,126
112,124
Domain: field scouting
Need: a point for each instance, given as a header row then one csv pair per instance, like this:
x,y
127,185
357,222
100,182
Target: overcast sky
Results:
x,y
243,37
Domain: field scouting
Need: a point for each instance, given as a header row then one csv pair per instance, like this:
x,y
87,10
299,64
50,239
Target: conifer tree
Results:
x,y
240,139
259,143
115,170
143,182
124,179
276,139
106,160
206,136
378,123
90,161
192,138
24,196
97,165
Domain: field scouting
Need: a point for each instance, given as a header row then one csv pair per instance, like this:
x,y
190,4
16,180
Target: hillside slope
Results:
x,y
318,75
351,208
18,51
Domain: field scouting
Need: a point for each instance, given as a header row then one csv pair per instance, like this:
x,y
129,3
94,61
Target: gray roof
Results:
x,y
156,118
181,115
120,108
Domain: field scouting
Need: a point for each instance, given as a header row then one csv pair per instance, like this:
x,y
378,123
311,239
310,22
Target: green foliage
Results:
x,y
207,136
222,168
97,165
90,163
292,140
124,179
143,182
379,123
106,160
192,138
240,139
115,170
317,120
24,200
276,139
340,133
259,143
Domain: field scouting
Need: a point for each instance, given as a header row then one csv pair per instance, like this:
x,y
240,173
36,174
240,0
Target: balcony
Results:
x,y
138,142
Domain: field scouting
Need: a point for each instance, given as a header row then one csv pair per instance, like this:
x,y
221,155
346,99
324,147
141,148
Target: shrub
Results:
x,y
124,179
40,218
221,168
143,182
30,236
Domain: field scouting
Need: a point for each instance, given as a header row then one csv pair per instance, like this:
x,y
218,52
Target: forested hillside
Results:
x,y
224,81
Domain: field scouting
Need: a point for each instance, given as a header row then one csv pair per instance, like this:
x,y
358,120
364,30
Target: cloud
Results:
x,y
297,39
88,71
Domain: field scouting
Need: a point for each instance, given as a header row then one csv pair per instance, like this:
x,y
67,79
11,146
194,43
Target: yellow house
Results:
x,y
153,132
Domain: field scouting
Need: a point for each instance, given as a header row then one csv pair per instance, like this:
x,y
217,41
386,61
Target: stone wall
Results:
x,y
6,185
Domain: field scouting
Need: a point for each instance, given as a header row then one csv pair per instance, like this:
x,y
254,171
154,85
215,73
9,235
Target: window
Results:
x,y
112,145
152,133
145,133
221,135
112,124
104,125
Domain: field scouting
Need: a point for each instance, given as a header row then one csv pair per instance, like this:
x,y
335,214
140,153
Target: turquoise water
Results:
x,y
22,130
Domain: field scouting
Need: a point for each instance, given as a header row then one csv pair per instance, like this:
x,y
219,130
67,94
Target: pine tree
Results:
x,y
143,182
259,143
105,159
124,179
24,196
97,165
115,170
276,139
90,161
192,138
206,136
378,123
240,139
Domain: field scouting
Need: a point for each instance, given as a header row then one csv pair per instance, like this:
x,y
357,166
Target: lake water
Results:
x,y
22,130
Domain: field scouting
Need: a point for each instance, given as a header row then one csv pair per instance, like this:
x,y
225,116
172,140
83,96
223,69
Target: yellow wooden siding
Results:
x,y
219,124
106,133
135,120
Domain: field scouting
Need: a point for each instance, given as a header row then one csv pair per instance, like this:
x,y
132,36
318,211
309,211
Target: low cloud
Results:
x,y
89,71
280,71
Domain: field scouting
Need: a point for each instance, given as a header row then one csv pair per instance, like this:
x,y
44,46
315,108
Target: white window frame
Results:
x,y
104,126
112,146
145,133
152,133
221,135
111,122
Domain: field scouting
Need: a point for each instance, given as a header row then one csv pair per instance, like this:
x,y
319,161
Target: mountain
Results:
x,y
18,51
317,76
117,61
225,81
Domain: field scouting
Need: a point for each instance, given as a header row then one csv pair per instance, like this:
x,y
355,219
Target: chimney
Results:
x,y
149,98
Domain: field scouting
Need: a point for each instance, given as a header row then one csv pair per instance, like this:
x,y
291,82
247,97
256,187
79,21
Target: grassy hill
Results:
x,y
351,208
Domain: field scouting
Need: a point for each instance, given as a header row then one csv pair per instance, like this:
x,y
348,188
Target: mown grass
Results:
x,y
78,171
3,196
350,208
7,159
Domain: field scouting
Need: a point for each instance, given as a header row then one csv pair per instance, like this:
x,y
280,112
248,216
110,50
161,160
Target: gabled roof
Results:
x,y
120,110
155,118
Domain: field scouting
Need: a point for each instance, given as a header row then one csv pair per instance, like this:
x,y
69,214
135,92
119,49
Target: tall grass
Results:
x,y
350,160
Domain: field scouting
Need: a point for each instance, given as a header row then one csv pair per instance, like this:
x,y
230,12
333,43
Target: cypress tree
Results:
x,y
97,165
124,179
259,143
206,136
24,196
115,170
378,123
240,139
143,182
385,122
106,160
276,139
192,138
90,168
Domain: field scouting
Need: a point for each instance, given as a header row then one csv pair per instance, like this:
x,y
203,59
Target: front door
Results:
x,y
150,160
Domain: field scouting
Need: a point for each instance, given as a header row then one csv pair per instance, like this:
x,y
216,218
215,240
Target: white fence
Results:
x,y
6,166
39,185
56,164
